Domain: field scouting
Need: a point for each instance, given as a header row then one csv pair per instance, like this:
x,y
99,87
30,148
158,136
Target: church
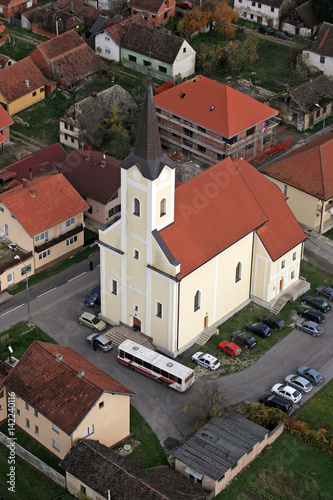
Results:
x,y
185,257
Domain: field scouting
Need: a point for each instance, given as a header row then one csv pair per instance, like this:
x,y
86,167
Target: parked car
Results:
x,y
317,303
284,36
273,321
265,30
298,382
286,391
311,314
244,338
92,321
230,348
309,327
100,342
93,298
206,360
184,5
311,375
276,402
325,291
259,329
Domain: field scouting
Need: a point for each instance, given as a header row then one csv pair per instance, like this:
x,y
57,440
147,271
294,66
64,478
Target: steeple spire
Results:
x,y
147,153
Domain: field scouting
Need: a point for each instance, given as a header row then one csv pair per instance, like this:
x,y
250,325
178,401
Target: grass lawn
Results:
x,y
22,343
30,483
290,469
19,50
329,234
318,411
149,453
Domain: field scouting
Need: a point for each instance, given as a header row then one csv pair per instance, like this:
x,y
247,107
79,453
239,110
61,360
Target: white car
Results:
x,y
299,383
287,392
207,360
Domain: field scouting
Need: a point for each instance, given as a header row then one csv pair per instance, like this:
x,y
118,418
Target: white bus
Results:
x,y
155,365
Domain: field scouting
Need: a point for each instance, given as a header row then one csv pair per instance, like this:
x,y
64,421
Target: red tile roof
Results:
x,y
54,388
43,203
309,168
44,160
4,370
214,106
119,29
13,79
222,205
151,5
70,55
5,119
97,178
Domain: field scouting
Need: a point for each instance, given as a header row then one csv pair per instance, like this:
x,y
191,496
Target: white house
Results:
x,y
265,12
320,56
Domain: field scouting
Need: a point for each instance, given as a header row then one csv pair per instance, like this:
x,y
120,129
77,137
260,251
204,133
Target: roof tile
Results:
x,y
13,79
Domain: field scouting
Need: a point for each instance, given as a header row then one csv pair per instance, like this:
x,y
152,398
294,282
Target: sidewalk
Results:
x,y
318,249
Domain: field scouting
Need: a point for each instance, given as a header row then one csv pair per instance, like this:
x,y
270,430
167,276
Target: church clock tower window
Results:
x,y
136,207
163,207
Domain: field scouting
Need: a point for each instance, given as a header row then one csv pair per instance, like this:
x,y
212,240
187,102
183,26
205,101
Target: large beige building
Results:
x,y
183,259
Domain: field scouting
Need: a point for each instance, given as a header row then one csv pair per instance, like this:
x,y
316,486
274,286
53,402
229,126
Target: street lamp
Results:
x,y
323,115
17,257
57,31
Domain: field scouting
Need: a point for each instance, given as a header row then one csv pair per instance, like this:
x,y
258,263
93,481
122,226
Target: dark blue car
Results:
x,y
93,298
259,329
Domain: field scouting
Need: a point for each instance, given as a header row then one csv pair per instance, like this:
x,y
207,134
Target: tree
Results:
x,y
323,10
241,55
206,406
209,58
194,21
224,15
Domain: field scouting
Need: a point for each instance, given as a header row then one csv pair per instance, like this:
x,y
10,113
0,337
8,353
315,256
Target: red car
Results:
x,y
230,348
185,5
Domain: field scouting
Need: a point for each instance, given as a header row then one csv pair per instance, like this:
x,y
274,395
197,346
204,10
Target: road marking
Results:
x,y
77,276
4,314
41,295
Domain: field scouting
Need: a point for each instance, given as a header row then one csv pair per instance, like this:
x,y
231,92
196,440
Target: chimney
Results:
x,y
24,182
32,193
80,373
30,172
72,6
27,83
103,163
58,357
87,156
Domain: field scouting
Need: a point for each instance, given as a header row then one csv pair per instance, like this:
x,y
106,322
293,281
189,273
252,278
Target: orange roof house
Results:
x,y
5,123
155,12
306,178
43,216
209,121
87,403
21,85
13,7
66,59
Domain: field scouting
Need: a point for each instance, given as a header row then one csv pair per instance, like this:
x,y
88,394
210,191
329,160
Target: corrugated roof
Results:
x,y
214,106
20,79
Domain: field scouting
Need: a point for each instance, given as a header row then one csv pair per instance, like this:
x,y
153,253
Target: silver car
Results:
x,y
99,342
299,383
309,327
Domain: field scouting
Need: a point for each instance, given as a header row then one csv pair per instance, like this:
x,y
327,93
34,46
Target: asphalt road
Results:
x,y
56,303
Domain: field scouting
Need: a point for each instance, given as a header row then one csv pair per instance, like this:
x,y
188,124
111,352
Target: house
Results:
x,y
77,124
86,459
96,177
320,56
265,12
43,161
181,260
5,61
305,176
61,398
306,105
138,46
43,216
5,123
4,402
21,86
208,121
58,17
66,59
301,21
14,8
155,12
219,451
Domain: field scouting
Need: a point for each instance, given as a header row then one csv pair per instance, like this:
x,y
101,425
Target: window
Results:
x,y
253,4
71,240
45,254
55,428
114,210
55,445
202,149
324,109
197,300
88,431
322,59
165,15
184,50
259,5
249,146
101,405
159,309
238,273
272,9
244,14
27,423
201,129
70,222
114,287
132,58
107,38
318,113
136,207
10,278
146,63
163,207
283,264
34,94
1,10
27,406
285,189
294,255
41,90
162,69
36,413
107,50
251,16
136,254
42,236
250,131
18,412
292,275
36,430
83,490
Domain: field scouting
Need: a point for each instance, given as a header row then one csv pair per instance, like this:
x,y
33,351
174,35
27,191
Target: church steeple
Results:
x,y
147,153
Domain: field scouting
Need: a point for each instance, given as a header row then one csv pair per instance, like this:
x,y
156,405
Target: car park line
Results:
x,y
11,310
51,290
